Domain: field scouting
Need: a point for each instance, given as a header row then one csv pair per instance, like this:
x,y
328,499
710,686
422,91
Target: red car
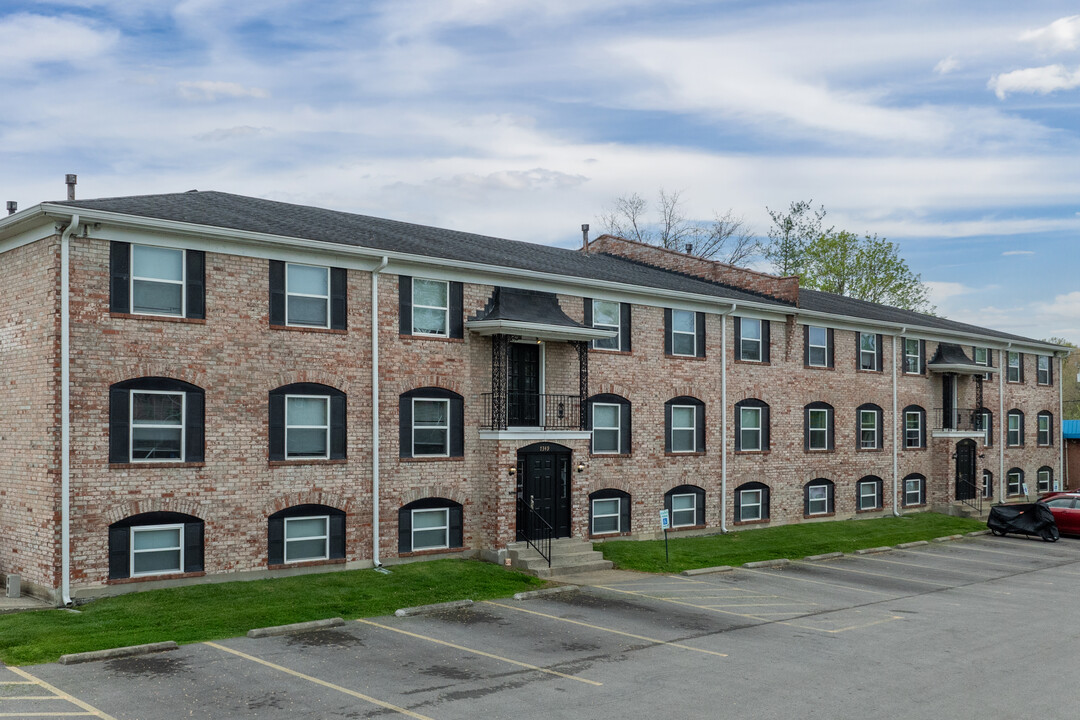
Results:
x,y
1066,509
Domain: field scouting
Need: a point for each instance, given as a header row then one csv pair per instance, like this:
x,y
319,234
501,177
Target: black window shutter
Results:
x,y
832,360
806,345
589,423
339,298
457,310
194,427
738,428
275,541
699,324
624,428
119,551
405,304
699,427
404,523
667,331
277,292
765,427
806,429
586,304
922,357
699,504
877,345
667,500
829,491
120,278
277,427
880,429
922,428
829,423
765,501
737,329
738,505
457,529
457,427
624,514
196,284
806,497
1021,428
858,350
119,426
405,426
1050,369
1021,366
193,547
990,357
624,327
337,536
765,342
667,427
338,427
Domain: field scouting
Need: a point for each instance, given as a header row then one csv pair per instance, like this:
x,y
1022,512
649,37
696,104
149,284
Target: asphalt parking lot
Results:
x,y
978,628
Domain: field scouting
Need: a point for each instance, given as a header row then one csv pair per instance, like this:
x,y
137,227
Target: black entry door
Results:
x,y
524,389
545,488
965,470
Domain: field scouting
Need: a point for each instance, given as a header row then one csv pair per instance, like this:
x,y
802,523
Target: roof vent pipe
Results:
x,y
585,237
71,179
689,248
12,207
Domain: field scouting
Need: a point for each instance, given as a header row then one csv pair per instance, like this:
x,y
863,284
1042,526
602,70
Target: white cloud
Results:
x,y
1066,305
1061,35
233,133
27,40
1007,253
943,290
212,90
947,65
1042,80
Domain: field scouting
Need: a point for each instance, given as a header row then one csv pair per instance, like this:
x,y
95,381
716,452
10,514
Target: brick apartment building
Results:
x,y
203,384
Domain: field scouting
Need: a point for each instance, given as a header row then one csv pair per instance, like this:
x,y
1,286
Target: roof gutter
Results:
x,y
65,410
375,410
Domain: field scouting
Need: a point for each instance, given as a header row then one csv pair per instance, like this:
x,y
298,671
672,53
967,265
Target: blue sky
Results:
x,y
950,128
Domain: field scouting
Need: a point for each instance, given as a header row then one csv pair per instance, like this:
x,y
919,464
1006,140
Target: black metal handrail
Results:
x,y
545,410
964,419
537,531
975,502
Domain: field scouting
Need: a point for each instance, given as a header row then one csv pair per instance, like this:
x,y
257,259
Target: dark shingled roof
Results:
x,y
531,306
951,354
239,212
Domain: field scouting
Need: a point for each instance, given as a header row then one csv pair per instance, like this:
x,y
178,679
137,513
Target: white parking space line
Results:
x,y
57,694
841,586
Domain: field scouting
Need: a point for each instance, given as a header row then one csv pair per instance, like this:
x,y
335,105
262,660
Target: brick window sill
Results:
x,y
319,461
151,578
300,328
869,510
763,521
870,450
869,372
809,516
155,465
908,507
683,454
608,536
820,451
681,528
752,453
605,456
158,318
435,338
308,563
740,361
433,551
831,368
454,458
918,449
669,356
605,351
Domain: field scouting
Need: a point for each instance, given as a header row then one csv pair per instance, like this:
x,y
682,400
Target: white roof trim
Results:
x,y
540,331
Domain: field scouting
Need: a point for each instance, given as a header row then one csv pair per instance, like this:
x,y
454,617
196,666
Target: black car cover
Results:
x,y
1030,518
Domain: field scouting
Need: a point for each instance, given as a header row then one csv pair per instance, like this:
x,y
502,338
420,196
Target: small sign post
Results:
x,y
665,524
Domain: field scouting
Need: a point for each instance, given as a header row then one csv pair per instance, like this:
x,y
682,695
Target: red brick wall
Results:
x,y
29,418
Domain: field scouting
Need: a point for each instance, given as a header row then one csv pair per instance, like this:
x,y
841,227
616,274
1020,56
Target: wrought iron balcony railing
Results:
x,y
542,410
958,419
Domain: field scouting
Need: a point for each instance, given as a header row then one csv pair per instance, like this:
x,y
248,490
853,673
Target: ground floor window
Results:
x,y
686,505
869,493
1045,479
914,490
305,533
307,538
157,543
988,484
1014,482
752,502
609,512
430,524
819,497
431,529
157,549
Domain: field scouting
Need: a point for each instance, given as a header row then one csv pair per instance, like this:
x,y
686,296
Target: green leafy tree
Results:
x,y
866,267
790,234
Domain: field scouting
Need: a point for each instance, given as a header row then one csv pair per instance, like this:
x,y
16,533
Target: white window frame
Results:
x,y
862,430
874,494
987,487
325,537
811,346
445,428
985,362
445,309
617,340
324,398
918,491
617,428
1009,430
759,503
1009,483
873,352
760,340
743,427
683,428
985,421
617,515
1009,356
918,430
692,510
1041,371
132,551
810,429
131,426
289,293
445,528
693,334
1044,479
824,499
182,282
1040,419
910,356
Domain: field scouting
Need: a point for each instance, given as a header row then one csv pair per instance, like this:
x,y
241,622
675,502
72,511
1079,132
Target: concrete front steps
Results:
x,y
960,509
568,556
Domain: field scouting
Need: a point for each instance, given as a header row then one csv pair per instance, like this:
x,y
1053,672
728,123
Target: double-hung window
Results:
x,y
157,280
1045,480
430,307
431,427
431,529
750,429
868,429
868,351
1045,432
1015,367
683,333
817,344
818,427
606,315
1015,435
307,538
912,356
750,340
157,549
1045,376
982,357
683,428
606,428
307,426
984,420
1014,482
914,427
914,490
684,510
818,496
307,295
605,515
751,502
869,492
157,426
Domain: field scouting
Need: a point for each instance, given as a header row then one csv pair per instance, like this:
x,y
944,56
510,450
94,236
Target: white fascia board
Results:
x,y
29,228
755,313
537,330
960,368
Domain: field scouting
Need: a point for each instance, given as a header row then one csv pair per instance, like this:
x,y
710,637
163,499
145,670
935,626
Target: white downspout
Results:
x,y
896,426
375,410
65,410
723,417
1003,422
1062,471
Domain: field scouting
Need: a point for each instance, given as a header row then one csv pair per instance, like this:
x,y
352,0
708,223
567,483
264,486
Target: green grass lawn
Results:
x,y
221,610
788,541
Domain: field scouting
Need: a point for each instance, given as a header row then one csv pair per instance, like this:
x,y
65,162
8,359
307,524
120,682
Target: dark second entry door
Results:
x,y
965,470
524,386
545,486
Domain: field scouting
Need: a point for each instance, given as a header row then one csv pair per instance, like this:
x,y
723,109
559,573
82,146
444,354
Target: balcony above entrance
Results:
x,y
531,314
951,358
